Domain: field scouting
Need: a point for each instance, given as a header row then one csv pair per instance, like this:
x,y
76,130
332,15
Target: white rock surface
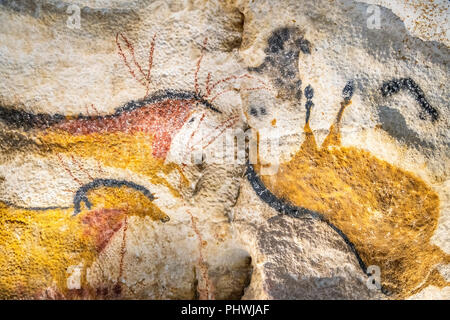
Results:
x,y
222,240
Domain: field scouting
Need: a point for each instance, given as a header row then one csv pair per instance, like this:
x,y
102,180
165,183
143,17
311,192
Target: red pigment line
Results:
x,y
100,169
87,111
68,170
217,127
118,286
220,133
150,63
80,166
221,93
256,88
245,89
95,109
196,129
225,80
228,79
122,55
209,294
123,248
198,65
133,56
150,58
208,79
257,79
225,126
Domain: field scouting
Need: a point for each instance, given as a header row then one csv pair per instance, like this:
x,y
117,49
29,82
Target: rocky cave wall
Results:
x,y
116,116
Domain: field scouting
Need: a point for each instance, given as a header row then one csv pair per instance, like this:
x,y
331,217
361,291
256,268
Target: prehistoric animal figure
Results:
x,y
136,137
386,215
39,244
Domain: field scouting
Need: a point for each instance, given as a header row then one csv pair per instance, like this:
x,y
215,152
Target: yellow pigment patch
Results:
x,y
38,246
118,150
126,199
388,213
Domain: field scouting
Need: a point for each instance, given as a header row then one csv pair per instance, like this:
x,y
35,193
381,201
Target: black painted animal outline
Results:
x,y
21,119
277,42
290,39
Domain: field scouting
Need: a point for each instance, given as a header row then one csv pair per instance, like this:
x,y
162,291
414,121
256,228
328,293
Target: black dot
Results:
x,y
309,92
253,111
304,45
348,90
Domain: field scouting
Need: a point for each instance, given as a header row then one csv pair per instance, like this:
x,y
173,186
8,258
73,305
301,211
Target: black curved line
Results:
x,y
161,96
285,208
283,49
309,94
27,120
394,86
349,89
80,195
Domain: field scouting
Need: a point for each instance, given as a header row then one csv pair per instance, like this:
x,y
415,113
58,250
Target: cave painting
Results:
x,y
40,244
386,215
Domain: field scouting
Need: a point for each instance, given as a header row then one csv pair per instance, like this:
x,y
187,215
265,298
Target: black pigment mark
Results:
x,y
165,95
309,94
254,111
284,207
394,86
81,196
347,92
393,122
27,121
281,61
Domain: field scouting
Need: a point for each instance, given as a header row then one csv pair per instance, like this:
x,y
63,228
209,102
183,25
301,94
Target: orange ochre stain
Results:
x,y
38,247
137,140
160,119
132,151
389,214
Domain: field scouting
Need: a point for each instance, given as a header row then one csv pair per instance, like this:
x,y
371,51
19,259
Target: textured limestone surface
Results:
x,y
289,149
